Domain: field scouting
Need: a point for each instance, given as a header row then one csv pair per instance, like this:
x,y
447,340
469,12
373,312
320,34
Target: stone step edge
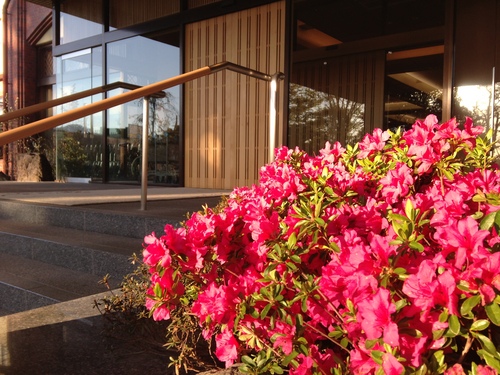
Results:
x,y
81,258
74,237
80,309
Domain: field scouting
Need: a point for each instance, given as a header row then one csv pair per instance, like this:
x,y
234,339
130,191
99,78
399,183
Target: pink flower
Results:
x,y
422,146
331,154
304,367
456,369
412,348
215,305
396,184
485,370
313,242
375,315
372,143
227,347
391,365
160,312
470,132
463,238
281,182
428,290
361,363
155,251
284,334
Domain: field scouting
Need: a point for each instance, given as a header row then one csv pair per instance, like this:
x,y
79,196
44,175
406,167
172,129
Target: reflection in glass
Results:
x,y
141,61
79,143
317,117
477,102
473,101
407,101
80,19
334,99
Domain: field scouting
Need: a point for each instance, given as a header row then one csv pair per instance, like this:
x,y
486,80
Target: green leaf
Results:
x,y
275,369
469,304
409,210
416,246
437,362
422,370
344,342
486,344
247,360
443,317
370,343
158,291
286,361
448,174
401,303
489,359
493,312
399,271
489,220
320,221
377,356
397,217
292,241
336,334
480,325
265,310
453,326
437,334
304,305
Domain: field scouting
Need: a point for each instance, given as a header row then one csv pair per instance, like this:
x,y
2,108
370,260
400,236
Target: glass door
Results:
x,y
79,148
141,61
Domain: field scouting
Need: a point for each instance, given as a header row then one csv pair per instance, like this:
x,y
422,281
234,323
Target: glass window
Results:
x,y
343,82
80,19
142,61
476,66
413,85
79,147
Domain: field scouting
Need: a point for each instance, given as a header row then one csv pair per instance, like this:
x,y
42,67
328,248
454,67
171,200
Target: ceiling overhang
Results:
x,y
43,3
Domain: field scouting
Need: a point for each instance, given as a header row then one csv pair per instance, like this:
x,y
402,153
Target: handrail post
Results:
x,y
273,113
145,144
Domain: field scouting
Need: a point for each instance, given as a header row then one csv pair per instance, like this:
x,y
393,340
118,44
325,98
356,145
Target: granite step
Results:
x,y
135,225
46,259
26,284
83,251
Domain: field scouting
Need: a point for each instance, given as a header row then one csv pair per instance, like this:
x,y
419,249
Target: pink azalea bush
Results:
x,y
381,258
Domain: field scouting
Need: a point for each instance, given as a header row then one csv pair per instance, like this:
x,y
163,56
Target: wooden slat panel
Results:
x,y
230,135
123,13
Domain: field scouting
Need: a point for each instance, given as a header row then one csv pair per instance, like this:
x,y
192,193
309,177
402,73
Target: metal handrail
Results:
x,y
145,92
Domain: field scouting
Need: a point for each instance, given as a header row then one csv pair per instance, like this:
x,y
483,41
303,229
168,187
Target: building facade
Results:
x,y
349,67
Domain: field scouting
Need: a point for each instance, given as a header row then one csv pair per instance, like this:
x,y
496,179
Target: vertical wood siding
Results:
x,y
226,113
123,13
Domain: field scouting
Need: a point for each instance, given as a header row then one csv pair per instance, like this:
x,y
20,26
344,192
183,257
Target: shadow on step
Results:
x,y
70,338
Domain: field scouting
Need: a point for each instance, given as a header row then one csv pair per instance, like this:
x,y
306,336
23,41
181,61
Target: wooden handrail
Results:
x,y
102,105
69,98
